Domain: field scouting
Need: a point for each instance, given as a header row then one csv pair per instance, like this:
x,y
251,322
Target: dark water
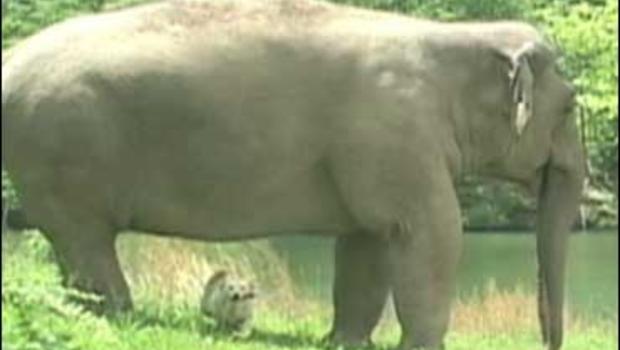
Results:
x,y
508,259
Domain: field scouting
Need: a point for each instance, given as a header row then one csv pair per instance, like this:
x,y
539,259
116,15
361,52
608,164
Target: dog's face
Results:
x,y
229,287
238,290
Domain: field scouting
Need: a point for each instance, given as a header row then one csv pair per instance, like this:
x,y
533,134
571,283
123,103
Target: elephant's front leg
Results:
x,y
424,252
360,287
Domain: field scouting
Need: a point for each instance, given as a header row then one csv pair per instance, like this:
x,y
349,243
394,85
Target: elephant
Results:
x,y
229,120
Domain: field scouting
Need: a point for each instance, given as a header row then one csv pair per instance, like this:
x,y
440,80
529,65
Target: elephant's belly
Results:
x,y
229,211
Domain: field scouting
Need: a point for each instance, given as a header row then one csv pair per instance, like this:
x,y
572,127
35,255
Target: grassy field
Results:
x,y
166,278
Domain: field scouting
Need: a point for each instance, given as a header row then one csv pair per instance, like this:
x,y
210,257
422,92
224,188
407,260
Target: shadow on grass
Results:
x,y
190,322
297,340
287,340
283,339
143,318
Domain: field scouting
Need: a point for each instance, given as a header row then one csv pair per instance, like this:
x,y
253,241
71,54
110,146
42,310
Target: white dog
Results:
x,y
229,300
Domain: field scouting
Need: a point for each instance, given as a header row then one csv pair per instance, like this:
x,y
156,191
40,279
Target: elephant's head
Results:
x,y
536,144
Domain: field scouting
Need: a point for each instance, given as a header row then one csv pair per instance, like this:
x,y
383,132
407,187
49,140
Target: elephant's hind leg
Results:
x,y
84,246
360,287
89,263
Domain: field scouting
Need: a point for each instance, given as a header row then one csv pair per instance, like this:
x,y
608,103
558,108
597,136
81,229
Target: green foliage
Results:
x,y
448,9
35,313
495,204
25,17
37,317
9,194
588,37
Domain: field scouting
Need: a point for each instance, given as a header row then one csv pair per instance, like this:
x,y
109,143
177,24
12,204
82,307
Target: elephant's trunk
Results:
x,y
557,206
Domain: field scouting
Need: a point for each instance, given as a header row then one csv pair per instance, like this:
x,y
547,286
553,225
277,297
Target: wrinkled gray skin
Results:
x,y
232,119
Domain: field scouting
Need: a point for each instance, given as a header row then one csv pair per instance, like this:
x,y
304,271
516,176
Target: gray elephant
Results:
x,y
233,119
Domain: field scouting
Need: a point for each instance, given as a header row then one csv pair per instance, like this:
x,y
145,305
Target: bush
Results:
x,y
35,311
589,39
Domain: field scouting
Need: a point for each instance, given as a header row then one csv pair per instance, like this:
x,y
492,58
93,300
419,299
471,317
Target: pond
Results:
x,y
507,259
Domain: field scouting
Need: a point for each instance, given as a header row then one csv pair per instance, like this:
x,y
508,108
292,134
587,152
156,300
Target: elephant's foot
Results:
x,y
105,290
422,347
88,262
98,302
347,340
422,295
101,279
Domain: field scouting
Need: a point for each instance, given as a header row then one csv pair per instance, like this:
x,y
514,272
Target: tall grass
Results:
x,y
174,271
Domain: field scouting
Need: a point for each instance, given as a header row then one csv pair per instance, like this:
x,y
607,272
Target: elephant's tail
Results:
x,y
5,208
5,102
5,98
3,112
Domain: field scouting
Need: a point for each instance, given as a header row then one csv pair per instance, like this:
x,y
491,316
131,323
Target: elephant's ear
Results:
x,y
522,85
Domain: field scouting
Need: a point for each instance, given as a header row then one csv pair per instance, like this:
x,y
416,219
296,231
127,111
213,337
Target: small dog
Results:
x,y
230,302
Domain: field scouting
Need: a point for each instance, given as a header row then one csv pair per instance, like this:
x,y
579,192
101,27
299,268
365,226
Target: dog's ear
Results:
x,y
215,279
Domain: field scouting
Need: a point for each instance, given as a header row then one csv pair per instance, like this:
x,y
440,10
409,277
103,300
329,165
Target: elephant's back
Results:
x,y
241,75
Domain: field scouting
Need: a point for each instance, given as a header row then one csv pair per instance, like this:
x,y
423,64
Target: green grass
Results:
x,y
36,315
